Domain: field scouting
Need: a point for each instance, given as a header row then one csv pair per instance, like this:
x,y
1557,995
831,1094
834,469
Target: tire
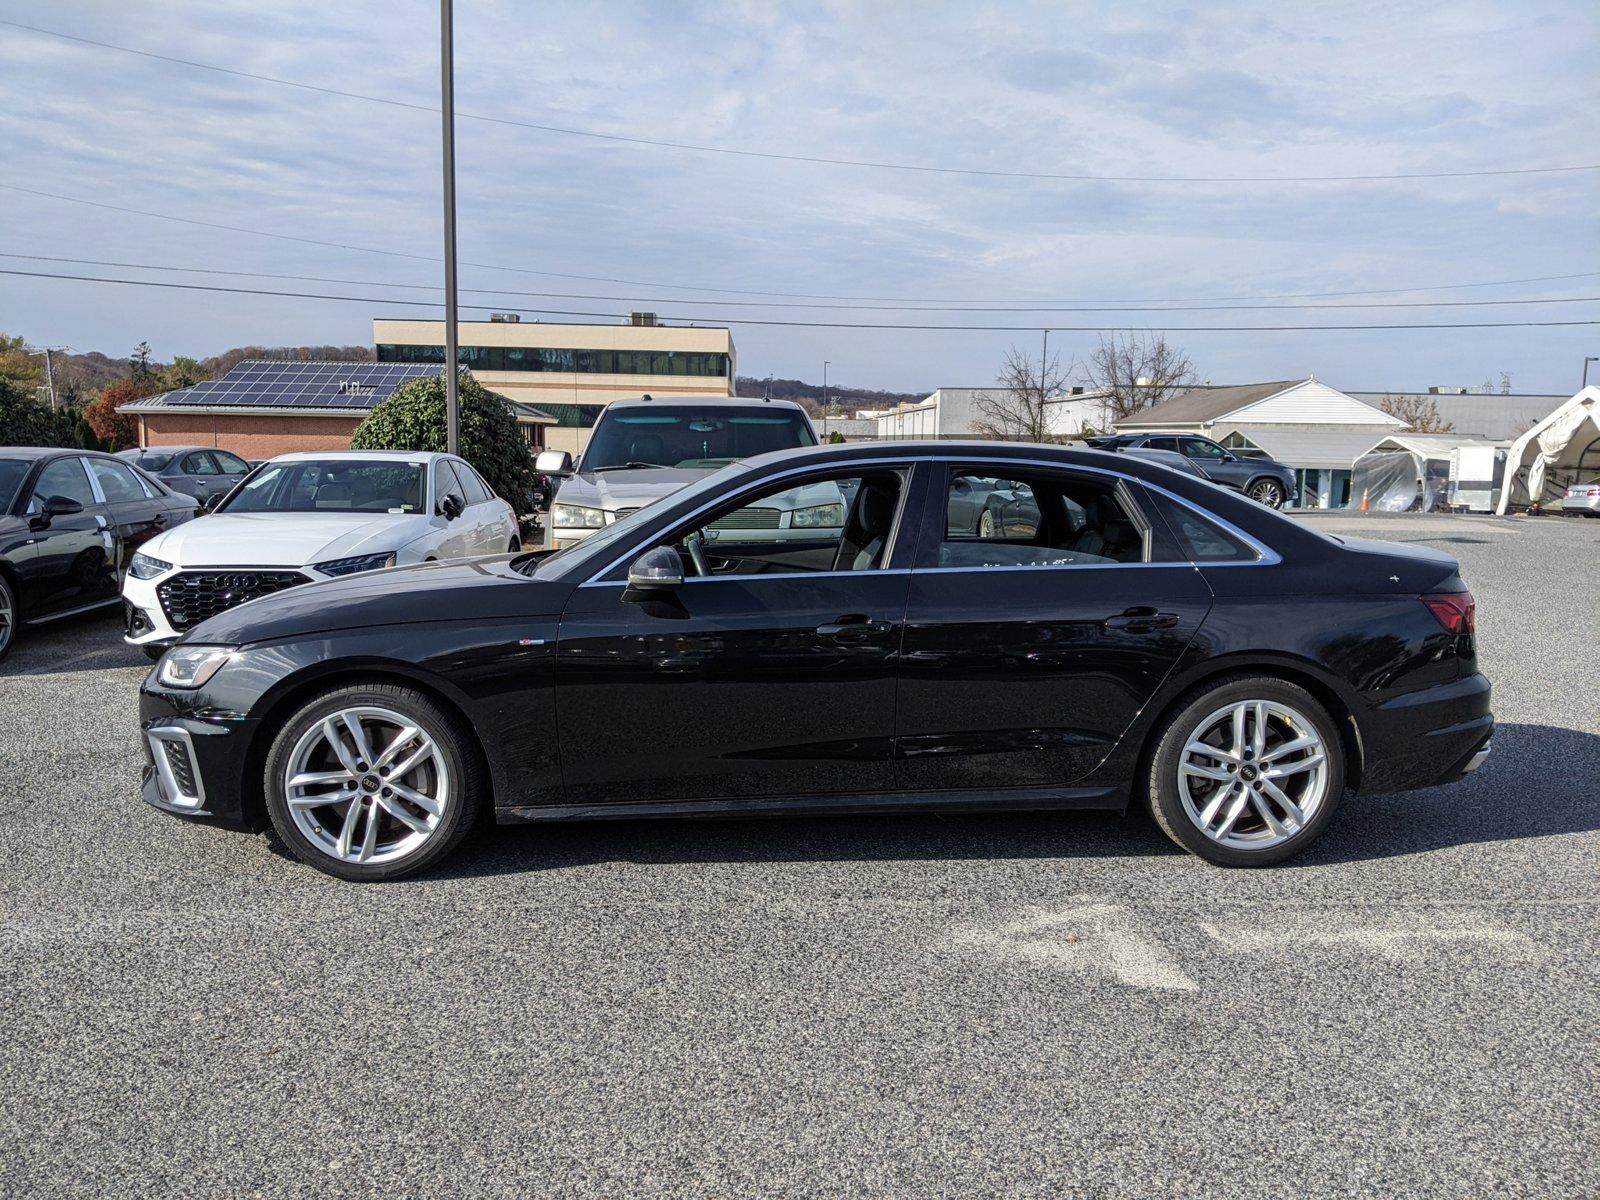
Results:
x,y
445,788
988,526
9,616
1312,777
1267,491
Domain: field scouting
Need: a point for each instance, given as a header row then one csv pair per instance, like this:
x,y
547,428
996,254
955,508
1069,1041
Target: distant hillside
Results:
x,y
222,363
810,394
80,375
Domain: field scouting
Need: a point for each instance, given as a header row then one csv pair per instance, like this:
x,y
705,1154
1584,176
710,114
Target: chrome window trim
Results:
x,y
170,790
1266,556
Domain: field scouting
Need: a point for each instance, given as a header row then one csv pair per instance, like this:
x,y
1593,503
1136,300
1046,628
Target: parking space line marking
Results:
x,y
1099,938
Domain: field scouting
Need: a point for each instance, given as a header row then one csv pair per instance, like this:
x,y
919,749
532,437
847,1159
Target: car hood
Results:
x,y
614,490
484,590
283,539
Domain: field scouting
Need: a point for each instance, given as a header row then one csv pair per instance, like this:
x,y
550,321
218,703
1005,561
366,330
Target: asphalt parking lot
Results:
x,y
1028,1004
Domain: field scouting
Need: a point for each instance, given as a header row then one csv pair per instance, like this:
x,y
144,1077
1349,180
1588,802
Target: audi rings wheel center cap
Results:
x,y
1247,773
369,783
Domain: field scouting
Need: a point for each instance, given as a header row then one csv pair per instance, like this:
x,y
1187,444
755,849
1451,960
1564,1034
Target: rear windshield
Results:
x,y
332,486
12,472
153,462
691,436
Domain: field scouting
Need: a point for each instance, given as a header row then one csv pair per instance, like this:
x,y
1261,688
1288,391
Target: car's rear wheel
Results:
x,y
988,527
373,781
1267,491
1246,772
8,616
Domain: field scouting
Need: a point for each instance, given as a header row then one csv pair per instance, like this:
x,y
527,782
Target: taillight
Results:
x,y
1456,611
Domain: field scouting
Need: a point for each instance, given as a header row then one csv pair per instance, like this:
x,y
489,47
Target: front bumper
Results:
x,y
144,624
1425,738
195,759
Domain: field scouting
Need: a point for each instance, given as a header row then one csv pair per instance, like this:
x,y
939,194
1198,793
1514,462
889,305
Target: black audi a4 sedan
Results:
x,y
70,521
1147,639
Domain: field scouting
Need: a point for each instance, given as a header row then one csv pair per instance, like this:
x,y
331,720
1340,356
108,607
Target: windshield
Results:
x,y
591,554
332,486
701,436
12,472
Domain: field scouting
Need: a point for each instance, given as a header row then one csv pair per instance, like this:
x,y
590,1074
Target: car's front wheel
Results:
x,y
8,616
1247,772
373,781
1267,491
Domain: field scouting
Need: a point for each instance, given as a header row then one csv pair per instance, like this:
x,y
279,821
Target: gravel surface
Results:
x,y
1024,1004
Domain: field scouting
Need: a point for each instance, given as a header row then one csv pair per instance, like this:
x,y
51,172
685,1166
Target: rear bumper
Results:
x,y
1426,738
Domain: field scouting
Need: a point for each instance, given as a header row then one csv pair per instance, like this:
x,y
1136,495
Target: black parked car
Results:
x,y
70,521
1262,479
1149,639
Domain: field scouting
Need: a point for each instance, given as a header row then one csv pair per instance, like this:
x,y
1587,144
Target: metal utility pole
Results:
x,y
1586,362
1044,369
447,106
50,377
824,386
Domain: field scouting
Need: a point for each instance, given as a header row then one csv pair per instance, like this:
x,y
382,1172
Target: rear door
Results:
x,y
134,515
200,476
1028,654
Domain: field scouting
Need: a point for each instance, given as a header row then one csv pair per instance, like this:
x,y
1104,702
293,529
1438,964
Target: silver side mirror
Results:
x,y
553,462
657,570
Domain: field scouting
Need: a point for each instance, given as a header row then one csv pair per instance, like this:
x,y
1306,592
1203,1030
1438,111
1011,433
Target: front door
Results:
x,y
1028,653
769,673
74,559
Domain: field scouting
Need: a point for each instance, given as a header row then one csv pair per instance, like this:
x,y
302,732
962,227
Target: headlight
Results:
x,y
349,566
191,666
817,516
577,516
145,567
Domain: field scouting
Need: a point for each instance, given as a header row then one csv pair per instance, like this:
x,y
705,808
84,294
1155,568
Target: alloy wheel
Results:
x,y
1268,492
8,619
987,526
1253,774
367,785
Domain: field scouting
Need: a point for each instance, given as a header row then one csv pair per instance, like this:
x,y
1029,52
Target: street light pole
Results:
x,y
447,106
824,387
1586,362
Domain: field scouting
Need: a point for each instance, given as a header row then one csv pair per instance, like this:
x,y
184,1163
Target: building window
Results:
x,y
581,362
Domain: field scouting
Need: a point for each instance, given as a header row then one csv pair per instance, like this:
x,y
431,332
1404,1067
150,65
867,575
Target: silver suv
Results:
x,y
641,450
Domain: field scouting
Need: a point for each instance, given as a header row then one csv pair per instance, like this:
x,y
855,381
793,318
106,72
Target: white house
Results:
x,y
1318,430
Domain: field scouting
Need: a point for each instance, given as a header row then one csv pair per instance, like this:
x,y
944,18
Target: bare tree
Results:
x,y
1138,371
1420,413
1018,410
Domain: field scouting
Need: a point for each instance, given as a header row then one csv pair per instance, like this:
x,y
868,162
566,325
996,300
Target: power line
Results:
x,y
721,320
287,237
921,168
1169,307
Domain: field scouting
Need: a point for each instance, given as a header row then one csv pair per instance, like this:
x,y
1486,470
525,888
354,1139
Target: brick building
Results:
x,y
266,407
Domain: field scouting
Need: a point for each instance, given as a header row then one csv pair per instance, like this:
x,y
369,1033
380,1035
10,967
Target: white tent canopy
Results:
x,y
1554,453
1408,472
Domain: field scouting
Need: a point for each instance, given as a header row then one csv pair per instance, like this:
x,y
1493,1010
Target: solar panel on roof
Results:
x,y
270,383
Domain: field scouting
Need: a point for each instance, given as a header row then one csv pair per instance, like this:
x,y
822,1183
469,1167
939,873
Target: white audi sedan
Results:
x,y
304,517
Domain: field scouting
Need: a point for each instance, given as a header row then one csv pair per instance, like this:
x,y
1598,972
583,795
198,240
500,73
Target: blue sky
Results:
x,y
1112,89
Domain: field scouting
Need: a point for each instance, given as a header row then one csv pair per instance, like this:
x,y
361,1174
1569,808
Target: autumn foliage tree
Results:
x,y
118,431
1420,413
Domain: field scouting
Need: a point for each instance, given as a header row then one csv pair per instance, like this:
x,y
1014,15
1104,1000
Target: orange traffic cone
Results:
x,y
1363,499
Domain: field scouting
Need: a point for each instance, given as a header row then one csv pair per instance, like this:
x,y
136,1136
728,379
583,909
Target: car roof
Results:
x,y
135,451
676,401
402,456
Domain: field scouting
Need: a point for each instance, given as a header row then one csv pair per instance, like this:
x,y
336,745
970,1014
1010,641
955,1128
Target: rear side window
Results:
x,y
1037,519
200,463
1200,539
117,482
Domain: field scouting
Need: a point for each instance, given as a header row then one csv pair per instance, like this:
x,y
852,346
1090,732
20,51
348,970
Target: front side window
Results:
x,y
117,483
836,523
1044,519
64,477
331,486
445,483
12,472
692,437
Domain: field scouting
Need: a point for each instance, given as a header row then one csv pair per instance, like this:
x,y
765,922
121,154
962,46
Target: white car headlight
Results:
x,y
818,516
362,562
576,516
191,666
144,566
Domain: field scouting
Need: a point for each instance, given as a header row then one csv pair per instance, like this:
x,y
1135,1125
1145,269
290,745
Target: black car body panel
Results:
x,y
1016,687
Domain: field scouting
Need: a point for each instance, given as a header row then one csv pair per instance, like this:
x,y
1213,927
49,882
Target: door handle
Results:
x,y
1141,619
852,627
